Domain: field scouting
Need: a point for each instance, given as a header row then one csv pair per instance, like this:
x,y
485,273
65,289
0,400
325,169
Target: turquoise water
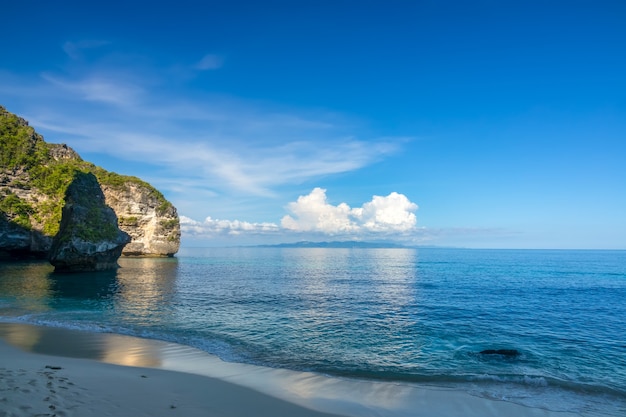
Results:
x,y
410,315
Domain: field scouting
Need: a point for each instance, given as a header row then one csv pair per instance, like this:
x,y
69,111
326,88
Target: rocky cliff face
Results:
x,y
89,238
152,223
21,226
34,176
18,242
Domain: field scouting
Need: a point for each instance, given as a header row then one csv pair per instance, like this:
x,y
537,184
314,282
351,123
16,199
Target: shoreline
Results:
x,y
43,385
121,375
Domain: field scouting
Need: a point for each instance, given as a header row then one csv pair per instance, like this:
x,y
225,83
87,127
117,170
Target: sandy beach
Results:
x,y
42,385
139,381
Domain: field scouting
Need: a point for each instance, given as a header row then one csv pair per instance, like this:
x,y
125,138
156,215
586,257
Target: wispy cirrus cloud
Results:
x,y
76,49
209,62
134,111
97,88
230,143
225,160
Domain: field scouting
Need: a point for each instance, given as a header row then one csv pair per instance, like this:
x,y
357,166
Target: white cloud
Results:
x,y
313,216
118,106
391,213
254,167
214,227
106,89
234,145
210,62
382,215
75,49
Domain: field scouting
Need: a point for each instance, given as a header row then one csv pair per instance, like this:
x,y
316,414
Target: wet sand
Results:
x,y
58,372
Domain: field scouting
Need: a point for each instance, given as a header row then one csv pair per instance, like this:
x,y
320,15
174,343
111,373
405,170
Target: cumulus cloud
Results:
x,y
312,213
215,227
391,213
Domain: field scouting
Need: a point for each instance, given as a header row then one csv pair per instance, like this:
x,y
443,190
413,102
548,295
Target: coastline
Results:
x,y
54,371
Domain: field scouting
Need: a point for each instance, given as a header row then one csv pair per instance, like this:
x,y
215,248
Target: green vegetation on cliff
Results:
x,y
21,146
118,181
30,164
19,210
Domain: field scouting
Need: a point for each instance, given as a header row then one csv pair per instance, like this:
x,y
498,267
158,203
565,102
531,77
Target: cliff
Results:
x,y
34,176
142,212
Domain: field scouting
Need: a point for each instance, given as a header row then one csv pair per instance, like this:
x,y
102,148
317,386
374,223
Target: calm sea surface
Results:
x,y
407,315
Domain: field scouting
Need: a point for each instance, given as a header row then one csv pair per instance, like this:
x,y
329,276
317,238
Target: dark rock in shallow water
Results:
x,y
89,238
503,352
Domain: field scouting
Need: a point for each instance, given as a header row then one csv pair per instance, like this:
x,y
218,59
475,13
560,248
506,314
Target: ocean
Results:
x,y
410,316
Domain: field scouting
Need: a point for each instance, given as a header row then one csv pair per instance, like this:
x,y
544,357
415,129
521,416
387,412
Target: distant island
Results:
x,y
338,244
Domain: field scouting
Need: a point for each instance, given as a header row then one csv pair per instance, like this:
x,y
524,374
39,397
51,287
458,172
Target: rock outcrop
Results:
x,y
14,239
89,238
34,176
150,221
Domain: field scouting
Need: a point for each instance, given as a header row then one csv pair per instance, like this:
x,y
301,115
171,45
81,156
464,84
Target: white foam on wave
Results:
x,y
352,397
529,380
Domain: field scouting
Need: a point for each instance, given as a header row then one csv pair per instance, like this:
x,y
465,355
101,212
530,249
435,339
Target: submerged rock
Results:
x,y
89,238
502,352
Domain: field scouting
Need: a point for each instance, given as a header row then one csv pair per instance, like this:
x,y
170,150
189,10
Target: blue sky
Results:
x,y
498,124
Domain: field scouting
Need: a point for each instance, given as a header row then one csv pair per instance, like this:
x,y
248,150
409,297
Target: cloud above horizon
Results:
x,y
214,227
392,216
312,213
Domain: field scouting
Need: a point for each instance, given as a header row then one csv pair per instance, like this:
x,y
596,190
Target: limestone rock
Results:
x,y
21,225
62,152
89,238
150,220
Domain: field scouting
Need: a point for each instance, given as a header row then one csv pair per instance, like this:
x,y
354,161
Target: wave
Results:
x,y
225,350
538,391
